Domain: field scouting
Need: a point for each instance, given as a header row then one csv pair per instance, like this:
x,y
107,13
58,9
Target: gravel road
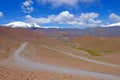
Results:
x,y
52,68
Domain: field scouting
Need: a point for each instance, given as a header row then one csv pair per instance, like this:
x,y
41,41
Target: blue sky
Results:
x,y
61,13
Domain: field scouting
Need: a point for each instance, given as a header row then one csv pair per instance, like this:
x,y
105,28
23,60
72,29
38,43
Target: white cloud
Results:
x,y
72,3
28,17
115,20
65,17
27,6
60,2
88,1
27,3
88,19
88,15
61,18
1,14
37,20
114,17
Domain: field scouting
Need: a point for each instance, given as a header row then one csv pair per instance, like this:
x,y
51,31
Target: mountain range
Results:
x,y
98,32
106,31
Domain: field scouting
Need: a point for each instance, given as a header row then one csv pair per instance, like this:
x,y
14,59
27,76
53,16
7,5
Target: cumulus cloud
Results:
x,y
87,20
88,16
27,6
114,17
65,17
61,18
40,20
1,14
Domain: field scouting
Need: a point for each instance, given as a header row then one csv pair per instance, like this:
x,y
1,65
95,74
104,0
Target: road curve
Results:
x,y
62,70
81,58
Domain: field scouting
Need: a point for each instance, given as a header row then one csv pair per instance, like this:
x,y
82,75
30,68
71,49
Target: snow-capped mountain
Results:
x,y
19,24
114,24
47,27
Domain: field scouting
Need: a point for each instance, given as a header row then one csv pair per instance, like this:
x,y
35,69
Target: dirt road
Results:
x,y
62,70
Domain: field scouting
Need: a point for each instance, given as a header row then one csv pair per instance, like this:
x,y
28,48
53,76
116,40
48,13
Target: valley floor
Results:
x,y
40,56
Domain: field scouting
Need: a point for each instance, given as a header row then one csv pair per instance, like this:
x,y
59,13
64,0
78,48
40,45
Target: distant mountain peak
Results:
x,y
20,24
114,24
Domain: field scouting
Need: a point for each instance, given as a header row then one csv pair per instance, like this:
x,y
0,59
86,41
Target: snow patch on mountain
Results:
x,y
114,24
19,24
47,27
111,25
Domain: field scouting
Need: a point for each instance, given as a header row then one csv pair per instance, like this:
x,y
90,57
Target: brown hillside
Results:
x,y
102,44
21,34
7,44
11,38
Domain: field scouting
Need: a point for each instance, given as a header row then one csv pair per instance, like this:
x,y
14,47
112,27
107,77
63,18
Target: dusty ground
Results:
x,y
21,74
44,55
12,71
107,47
113,58
8,45
35,52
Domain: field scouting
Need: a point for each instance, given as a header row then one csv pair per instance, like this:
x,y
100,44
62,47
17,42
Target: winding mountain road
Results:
x,y
62,70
